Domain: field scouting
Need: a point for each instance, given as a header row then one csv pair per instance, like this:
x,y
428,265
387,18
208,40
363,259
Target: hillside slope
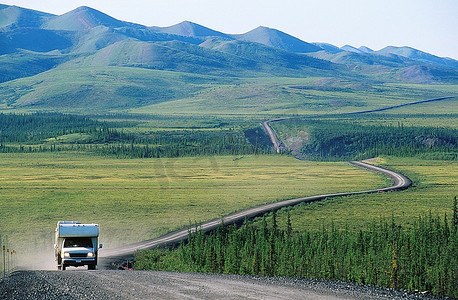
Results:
x,y
277,39
48,61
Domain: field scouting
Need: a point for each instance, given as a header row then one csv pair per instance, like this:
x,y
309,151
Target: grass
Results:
x,y
143,91
138,199
291,96
435,183
99,89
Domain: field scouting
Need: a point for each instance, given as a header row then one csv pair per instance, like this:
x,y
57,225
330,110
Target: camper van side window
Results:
x,y
78,242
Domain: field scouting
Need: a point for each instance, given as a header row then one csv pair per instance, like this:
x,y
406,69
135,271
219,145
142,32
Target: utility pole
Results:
x,y
8,260
4,261
13,259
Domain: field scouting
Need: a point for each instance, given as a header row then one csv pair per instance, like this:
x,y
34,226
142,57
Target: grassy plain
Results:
x,y
435,183
138,199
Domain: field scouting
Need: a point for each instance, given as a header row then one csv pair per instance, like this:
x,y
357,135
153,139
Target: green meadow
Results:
x,y
138,199
435,180
435,184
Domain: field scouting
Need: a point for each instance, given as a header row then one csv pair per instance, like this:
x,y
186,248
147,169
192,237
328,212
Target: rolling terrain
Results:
x,y
182,142
104,285
41,52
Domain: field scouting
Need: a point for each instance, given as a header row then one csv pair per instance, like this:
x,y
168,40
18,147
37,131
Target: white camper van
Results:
x,y
76,244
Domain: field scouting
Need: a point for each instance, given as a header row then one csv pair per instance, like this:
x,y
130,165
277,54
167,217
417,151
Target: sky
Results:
x,y
427,25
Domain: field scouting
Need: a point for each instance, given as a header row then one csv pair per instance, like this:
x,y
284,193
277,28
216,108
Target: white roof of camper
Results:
x,y
77,230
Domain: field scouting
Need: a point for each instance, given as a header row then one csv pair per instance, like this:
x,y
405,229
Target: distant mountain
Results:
x,y
26,63
277,39
214,56
418,55
152,35
190,29
349,48
49,61
328,47
95,39
365,49
354,59
34,39
171,55
362,49
85,18
16,17
427,74
389,67
268,55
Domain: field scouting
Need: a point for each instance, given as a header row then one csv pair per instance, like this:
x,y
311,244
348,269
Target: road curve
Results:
x,y
110,257
278,145
124,253
399,182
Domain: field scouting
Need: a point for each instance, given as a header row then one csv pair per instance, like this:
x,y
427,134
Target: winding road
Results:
x,y
110,257
121,254
110,284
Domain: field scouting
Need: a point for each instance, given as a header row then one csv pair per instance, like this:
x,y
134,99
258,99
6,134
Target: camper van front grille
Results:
x,y
79,255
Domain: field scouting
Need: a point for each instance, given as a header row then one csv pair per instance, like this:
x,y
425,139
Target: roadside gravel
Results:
x,y
76,284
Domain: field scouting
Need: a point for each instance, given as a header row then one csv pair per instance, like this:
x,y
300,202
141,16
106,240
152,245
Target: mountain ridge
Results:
x,y
84,18
190,29
39,51
15,16
277,39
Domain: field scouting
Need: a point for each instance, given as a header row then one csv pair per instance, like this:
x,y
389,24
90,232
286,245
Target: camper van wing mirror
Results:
x,y
100,246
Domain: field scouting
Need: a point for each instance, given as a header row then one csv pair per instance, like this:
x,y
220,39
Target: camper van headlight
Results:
x,y
90,254
66,254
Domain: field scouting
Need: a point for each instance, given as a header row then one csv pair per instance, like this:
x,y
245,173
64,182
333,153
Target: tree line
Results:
x,y
31,133
186,143
33,128
420,257
345,140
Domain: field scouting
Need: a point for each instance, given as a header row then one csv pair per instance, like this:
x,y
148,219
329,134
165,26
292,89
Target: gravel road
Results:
x,y
111,284
168,285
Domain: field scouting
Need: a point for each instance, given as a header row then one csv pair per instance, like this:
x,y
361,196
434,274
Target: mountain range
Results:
x,y
35,45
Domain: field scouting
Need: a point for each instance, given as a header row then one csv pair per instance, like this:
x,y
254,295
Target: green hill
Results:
x,y
190,29
35,39
418,55
272,58
89,90
85,60
277,39
84,18
17,17
26,63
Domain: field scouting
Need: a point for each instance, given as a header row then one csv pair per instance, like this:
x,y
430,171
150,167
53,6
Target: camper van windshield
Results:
x,y
78,242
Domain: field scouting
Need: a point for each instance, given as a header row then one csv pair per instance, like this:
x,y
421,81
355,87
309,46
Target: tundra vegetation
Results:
x,y
130,166
420,257
137,199
359,137
175,139
400,249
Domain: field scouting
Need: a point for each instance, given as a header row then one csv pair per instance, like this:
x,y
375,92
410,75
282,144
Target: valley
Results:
x,y
148,130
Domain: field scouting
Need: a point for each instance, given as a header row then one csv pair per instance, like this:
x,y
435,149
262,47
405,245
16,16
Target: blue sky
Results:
x,y
428,25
